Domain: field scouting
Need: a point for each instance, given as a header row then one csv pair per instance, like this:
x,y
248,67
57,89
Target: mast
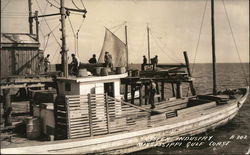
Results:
x,y
148,45
30,17
213,48
64,50
126,42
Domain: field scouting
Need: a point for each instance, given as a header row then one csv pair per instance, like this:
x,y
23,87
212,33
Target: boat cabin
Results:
x,y
91,85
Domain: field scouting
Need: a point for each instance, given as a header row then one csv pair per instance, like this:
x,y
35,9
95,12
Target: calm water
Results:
x,y
229,76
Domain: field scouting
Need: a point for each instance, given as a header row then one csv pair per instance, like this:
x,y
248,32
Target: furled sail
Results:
x,y
115,47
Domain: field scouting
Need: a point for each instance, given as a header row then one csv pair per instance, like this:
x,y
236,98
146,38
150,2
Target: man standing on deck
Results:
x,y
154,62
46,63
152,93
74,64
144,60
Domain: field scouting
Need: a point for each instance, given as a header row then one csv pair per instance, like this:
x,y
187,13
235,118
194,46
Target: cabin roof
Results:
x,y
93,78
18,40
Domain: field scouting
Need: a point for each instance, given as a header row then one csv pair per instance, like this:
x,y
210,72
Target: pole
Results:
x,y
37,25
126,42
189,73
30,17
148,45
64,51
213,48
7,107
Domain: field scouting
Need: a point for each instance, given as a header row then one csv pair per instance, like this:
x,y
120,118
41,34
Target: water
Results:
x,y
228,76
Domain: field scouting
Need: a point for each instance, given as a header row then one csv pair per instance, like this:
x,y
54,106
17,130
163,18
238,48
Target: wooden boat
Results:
x,y
98,123
140,129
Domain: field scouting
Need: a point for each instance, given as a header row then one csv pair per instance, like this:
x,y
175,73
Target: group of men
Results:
x,y
154,61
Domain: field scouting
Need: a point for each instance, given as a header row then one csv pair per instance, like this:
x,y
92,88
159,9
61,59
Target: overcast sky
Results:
x,y
174,25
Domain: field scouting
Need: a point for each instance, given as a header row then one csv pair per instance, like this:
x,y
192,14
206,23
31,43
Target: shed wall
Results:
x,y
20,61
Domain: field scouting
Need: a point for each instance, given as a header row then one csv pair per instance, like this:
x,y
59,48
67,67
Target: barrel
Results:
x,y
97,71
135,73
83,72
104,71
33,128
120,70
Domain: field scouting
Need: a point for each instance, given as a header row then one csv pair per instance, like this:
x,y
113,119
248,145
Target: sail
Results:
x,y
115,47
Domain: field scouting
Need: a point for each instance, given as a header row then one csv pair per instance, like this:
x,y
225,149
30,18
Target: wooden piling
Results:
x,y
132,94
126,92
7,107
173,89
189,73
140,95
162,91
178,90
158,91
146,94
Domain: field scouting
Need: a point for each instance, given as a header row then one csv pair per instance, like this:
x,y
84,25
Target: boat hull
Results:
x,y
139,140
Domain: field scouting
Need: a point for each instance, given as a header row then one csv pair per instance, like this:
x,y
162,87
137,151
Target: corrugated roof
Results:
x,y
18,38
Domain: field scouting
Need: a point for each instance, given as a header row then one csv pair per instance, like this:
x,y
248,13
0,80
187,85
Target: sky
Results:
x,y
175,26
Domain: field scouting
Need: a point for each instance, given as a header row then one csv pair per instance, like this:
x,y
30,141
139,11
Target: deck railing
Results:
x,y
97,114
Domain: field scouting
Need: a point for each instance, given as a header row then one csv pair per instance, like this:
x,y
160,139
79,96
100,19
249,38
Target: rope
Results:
x,y
118,26
51,4
162,50
198,42
57,51
56,2
235,44
5,5
75,5
75,38
83,4
71,26
48,24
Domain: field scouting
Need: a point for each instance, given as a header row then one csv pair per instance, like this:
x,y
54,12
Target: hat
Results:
x,y
73,55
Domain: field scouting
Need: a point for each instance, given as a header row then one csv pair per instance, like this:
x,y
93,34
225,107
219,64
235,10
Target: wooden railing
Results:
x,y
98,114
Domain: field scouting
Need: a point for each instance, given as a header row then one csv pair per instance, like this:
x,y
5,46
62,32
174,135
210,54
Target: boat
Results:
x,y
91,117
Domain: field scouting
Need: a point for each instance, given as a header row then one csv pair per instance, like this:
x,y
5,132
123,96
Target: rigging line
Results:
x,y
199,37
235,44
73,34
46,44
48,24
117,29
5,5
75,4
56,2
71,27
51,4
45,8
55,53
52,30
83,4
175,59
165,46
117,25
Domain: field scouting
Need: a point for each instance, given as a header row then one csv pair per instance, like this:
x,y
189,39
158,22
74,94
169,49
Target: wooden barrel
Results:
x,y
120,70
104,71
135,73
33,128
83,72
97,71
